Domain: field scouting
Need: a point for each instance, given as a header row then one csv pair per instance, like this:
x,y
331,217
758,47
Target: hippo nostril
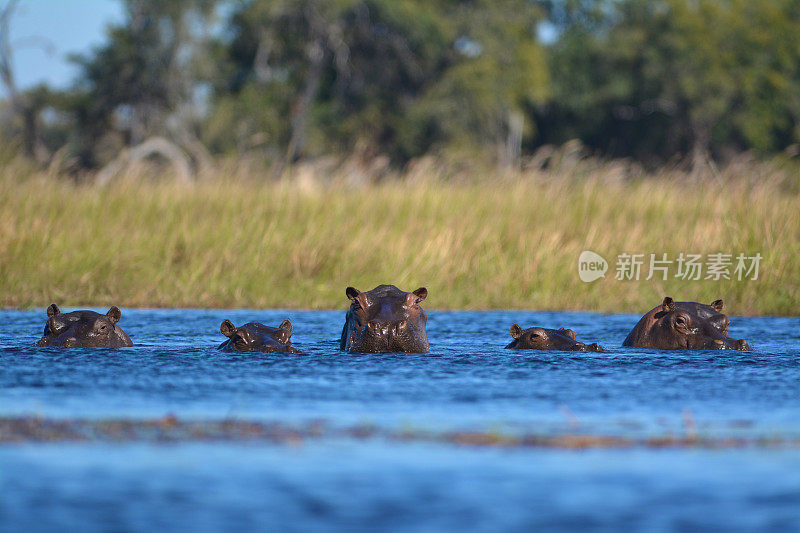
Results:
x,y
741,344
71,342
377,328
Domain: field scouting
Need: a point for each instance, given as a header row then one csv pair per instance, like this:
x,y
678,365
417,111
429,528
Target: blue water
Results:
x,y
467,382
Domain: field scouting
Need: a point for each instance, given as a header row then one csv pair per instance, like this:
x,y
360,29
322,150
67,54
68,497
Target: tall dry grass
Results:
x,y
478,239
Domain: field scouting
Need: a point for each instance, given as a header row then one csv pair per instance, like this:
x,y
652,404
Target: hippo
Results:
x,y
79,329
548,339
684,326
712,313
256,337
385,319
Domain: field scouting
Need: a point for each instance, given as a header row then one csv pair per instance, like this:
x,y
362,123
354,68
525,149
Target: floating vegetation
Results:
x,y
170,429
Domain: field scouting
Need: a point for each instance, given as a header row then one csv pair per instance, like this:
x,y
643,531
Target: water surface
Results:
x,y
467,383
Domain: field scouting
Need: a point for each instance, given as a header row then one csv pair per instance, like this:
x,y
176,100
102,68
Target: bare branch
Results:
x,y
6,52
152,146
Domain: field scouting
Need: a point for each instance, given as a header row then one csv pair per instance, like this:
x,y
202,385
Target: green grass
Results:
x,y
477,241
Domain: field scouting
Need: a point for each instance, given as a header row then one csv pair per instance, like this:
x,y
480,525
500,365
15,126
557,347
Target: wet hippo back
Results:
x,y
684,326
385,319
83,329
548,339
256,337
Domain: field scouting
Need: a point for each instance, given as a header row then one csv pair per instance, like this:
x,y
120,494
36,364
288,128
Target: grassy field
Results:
x,y
477,239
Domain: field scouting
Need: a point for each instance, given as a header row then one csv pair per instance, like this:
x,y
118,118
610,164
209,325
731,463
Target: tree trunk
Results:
x,y
316,55
513,148
700,145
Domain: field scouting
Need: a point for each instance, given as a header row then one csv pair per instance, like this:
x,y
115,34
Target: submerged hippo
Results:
x,y
548,339
684,326
385,319
256,337
79,329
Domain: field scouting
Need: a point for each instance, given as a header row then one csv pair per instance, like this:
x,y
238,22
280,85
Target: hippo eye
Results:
x,y
534,335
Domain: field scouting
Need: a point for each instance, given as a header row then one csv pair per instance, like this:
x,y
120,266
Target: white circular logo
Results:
x,y
591,266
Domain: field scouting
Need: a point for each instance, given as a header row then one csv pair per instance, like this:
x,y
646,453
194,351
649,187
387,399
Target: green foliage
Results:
x,y
655,79
499,69
290,80
396,77
135,84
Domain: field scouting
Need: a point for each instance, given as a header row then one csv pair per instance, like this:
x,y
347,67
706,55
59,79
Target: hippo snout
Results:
x,y
388,336
730,344
741,344
378,329
388,329
582,347
70,342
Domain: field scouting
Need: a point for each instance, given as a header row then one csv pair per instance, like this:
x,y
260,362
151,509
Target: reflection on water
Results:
x,y
468,384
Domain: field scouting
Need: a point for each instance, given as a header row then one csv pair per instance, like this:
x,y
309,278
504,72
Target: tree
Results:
x,y
25,106
656,79
397,77
496,72
145,80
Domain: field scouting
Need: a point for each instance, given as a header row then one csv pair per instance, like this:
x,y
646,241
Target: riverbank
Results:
x,y
509,240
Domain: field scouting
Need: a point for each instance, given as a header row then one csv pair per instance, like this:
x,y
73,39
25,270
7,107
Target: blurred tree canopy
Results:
x,y
659,79
396,77
652,80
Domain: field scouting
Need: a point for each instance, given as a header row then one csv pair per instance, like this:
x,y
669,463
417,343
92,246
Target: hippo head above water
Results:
x,y
256,337
548,339
684,326
712,313
385,319
79,329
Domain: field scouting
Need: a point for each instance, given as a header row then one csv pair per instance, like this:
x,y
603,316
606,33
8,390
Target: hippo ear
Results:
x,y
53,310
227,328
567,332
668,305
413,298
516,331
284,333
421,293
114,314
352,293
717,305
